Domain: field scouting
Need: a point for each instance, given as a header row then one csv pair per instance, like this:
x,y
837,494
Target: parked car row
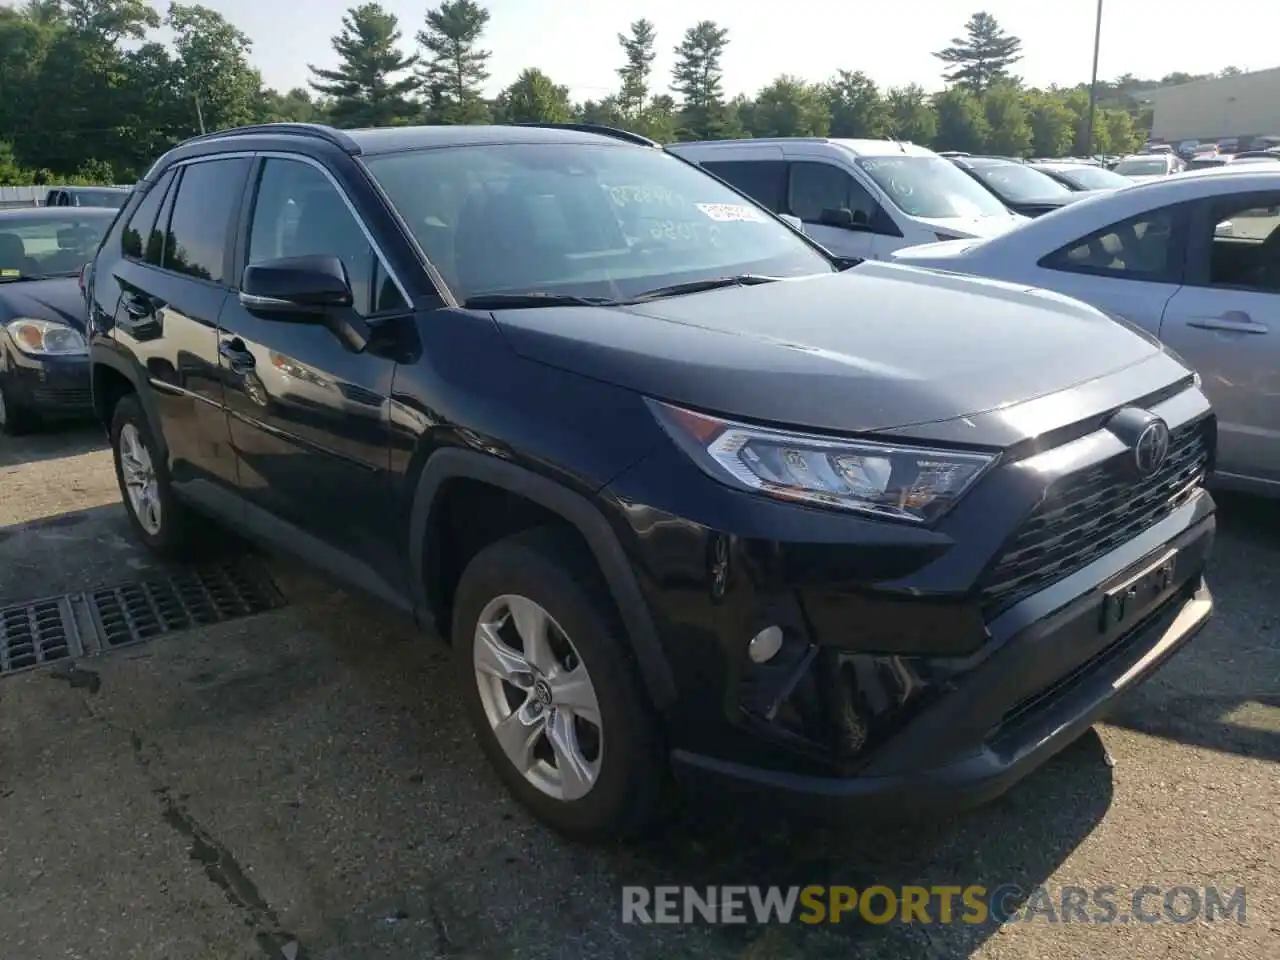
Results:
x,y
686,492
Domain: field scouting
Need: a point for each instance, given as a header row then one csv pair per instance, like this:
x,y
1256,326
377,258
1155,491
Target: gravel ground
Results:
x,y
302,784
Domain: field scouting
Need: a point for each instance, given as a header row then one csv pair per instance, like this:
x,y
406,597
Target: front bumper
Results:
x,y
49,386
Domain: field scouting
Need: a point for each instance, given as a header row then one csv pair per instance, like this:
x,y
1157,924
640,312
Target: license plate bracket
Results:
x,y
1128,600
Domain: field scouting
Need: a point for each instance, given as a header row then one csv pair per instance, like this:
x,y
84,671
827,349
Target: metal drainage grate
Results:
x,y
37,633
132,612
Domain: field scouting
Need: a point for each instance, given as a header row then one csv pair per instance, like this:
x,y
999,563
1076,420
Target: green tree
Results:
x,y
659,121
534,98
638,48
367,86
457,67
296,106
699,80
1052,125
856,107
213,72
604,112
961,123
1008,132
910,115
983,56
789,107
1122,137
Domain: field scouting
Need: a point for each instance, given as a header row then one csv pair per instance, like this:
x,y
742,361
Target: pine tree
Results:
x,y
639,52
983,56
699,79
363,88
457,67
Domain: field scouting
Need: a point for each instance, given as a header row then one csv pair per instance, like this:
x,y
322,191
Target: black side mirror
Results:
x,y
845,219
311,289
304,287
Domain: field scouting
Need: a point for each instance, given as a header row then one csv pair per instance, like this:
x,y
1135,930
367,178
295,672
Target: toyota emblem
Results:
x,y
1152,448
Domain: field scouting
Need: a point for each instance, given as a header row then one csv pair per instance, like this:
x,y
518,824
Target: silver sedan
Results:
x,y
1193,259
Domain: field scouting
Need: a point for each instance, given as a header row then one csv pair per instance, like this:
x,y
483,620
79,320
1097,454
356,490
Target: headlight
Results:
x,y
905,483
45,337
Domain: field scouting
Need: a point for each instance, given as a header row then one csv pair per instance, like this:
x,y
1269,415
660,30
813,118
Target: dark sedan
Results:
x,y
1078,177
44,369
1019,187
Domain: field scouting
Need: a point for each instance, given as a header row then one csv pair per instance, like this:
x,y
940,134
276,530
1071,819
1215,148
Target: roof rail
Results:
x,y
317,130
598,128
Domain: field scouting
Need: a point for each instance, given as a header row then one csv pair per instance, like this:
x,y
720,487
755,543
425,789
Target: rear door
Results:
x,y
1225,322
309,418
173,279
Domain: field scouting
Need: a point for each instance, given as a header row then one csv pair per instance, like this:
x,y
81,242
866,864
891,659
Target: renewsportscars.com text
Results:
x,y
971,904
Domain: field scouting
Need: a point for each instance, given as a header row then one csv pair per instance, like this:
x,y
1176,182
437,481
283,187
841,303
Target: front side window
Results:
x,y
931,188
35,247
208,194
816,187
765,181
1140,248
605,221
298,212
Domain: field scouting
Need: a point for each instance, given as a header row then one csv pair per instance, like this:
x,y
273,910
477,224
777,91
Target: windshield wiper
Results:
x,y
513,301
697,286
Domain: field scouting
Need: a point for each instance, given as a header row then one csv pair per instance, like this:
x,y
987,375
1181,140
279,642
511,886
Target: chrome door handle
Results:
x,y
1233,321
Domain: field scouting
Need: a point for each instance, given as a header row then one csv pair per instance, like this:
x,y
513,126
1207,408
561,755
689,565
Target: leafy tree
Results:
x,y
699,80
457,67
1052,125
909,114
605,112
534,98
1009,134
981,57
856,107
639,51
962,125
365,88
789,107
1121,135
659,121
296,106
213,71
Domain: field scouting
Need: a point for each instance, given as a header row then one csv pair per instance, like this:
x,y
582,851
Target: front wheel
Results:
x,y
551,690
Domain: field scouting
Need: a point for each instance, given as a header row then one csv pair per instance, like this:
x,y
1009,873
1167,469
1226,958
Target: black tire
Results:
x,y
549,567
18,420
176,538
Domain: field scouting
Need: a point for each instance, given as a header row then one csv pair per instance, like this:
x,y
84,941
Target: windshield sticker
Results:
x,y
731,212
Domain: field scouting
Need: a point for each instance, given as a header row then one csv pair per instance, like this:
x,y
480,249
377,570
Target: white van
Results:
x,y
858,198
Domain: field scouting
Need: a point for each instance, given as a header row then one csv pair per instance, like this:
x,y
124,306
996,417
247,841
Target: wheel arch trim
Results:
x,y
454,463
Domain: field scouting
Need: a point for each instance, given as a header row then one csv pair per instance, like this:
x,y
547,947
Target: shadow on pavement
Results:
x,y
51,443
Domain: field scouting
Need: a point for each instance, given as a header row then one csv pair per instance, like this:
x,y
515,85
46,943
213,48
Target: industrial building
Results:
x,y
1243,106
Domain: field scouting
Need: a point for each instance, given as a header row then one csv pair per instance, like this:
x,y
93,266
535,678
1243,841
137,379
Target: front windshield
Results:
x,y
931,188
40,245
1016,183
1093,178
1142,167
581,220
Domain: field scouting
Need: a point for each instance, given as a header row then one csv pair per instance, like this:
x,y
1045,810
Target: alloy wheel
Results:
x,y
141,486
538,697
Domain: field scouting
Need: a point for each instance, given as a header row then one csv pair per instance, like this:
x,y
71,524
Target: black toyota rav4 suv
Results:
x,y
684,492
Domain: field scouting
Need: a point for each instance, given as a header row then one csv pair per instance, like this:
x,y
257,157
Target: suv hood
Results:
x,y
874,348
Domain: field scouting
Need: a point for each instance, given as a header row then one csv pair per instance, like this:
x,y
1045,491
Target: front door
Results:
x,y
816,189
1225,322
173,276
309,418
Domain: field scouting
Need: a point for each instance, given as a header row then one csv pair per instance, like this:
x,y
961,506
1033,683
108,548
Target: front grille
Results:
x,y
1090,513
61,396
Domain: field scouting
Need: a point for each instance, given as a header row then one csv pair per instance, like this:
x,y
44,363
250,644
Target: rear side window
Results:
x,y
140,225
764,181
1140,248
208,195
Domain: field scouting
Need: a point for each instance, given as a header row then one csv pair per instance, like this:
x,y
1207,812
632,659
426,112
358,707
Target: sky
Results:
x,y
575,41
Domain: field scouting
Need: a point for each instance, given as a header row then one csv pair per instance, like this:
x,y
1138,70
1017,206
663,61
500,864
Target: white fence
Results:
x,y
26,196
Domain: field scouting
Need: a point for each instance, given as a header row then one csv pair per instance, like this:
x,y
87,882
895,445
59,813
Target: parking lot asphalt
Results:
x,y
302,784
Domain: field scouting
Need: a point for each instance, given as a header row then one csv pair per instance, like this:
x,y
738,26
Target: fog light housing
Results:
x,y
764,646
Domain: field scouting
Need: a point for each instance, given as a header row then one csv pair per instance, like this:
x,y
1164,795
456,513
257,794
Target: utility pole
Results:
x,y
200,113
1093,84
